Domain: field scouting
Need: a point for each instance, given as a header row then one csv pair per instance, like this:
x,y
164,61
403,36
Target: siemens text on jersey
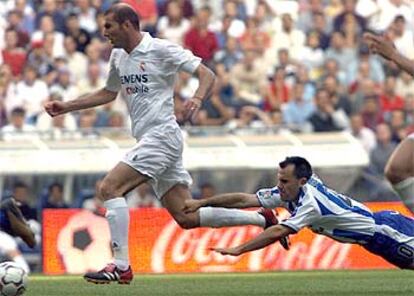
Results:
x,y
141,79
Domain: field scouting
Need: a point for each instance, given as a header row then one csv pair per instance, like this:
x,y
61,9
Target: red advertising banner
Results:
x,y
76,241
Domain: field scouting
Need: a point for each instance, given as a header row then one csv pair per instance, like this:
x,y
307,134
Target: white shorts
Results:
x,y
411,136
158,155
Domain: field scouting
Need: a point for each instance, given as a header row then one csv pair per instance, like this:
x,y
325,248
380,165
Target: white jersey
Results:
x,y
324,211
146,78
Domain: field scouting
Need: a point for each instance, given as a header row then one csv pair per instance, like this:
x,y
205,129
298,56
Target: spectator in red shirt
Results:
x,y
199,39
14,56
390,101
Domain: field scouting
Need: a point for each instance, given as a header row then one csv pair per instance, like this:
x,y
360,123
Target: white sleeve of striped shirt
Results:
x,y
305,214
269,198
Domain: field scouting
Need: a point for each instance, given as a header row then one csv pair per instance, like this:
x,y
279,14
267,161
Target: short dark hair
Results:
x,y
123,13
303,169
18,111
55,185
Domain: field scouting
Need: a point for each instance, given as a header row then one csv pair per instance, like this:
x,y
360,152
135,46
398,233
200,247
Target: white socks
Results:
x,y
405,190
219,217
117,215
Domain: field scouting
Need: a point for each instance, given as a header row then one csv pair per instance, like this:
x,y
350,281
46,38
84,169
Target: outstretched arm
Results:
x,y
93,99
227,200
267,237
383,46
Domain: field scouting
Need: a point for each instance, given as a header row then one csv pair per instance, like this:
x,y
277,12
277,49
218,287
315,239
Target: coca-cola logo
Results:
x,y
175,246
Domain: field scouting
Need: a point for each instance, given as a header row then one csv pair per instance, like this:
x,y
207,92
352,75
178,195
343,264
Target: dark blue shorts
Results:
x,y
393,239
4,222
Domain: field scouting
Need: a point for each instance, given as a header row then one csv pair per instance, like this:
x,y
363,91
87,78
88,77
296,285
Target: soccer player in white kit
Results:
x,y
144,70
400,167
312,204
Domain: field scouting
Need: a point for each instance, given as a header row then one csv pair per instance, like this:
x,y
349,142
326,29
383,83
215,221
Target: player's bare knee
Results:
x,y
395,174
107,191
186,221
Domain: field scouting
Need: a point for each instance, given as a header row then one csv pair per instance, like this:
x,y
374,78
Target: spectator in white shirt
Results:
x,y
17,129
365,135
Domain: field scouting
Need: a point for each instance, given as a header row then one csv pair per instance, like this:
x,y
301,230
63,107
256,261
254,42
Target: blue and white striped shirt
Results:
x,y
324,211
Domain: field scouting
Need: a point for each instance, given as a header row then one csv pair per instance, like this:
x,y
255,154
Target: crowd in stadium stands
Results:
x,y
299,65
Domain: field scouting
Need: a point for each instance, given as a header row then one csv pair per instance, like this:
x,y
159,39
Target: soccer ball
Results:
x,y
13,279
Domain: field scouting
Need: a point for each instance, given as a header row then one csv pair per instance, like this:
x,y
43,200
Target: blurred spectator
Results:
x,y
390,101
253,38
404,85
297,111
371,112
397,125
387,10
93,80
199,39
368,63
230,55
338,98
365,135
76,61
21,195
321,25
47,27
403,37
7,90
348,12
15,22
311,55
81,36
87,120
17,129
28,14
331,67
289,66
339,52
14,56
186,6
268,21
302,76
333,8
50,8
86,15
173,25
287,37
325,118
116,120
382,152
214,111
233,19
58,124
148,14
93,54
31,93
55,197
64,85
306,17
248,79
39,59
278,91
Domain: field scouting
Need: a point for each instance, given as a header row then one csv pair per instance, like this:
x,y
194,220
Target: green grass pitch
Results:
x,y
318,283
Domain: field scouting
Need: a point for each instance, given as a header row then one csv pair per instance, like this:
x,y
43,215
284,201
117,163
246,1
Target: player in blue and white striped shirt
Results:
x,y
314,205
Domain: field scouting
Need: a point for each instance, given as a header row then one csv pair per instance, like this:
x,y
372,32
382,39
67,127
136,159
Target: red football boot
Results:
x,y
111,273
